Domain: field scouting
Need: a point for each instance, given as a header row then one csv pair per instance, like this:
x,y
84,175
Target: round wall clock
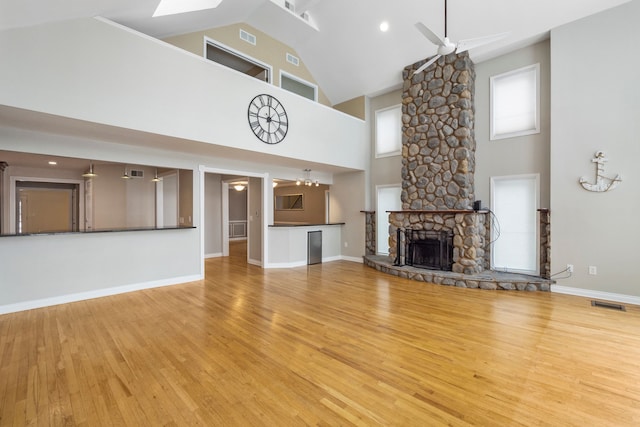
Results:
x,y
268,119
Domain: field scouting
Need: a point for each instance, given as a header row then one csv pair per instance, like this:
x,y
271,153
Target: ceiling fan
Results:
x,y
445,46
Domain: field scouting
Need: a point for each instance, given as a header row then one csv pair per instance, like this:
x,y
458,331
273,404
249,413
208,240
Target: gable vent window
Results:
x,y
293,59
248,37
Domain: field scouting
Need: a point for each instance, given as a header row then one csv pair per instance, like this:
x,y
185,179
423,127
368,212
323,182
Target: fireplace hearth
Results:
x,y
429,249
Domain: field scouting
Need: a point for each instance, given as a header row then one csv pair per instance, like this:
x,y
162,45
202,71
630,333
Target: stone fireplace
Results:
x,y
438,163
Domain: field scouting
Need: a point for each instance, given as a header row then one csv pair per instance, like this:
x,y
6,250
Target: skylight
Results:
x,y
174,7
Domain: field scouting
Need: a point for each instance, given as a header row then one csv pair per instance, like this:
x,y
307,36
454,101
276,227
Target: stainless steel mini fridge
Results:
x,y
314,247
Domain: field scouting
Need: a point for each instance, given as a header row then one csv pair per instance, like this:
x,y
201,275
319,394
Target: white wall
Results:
x,y
212,214
347,199
120,100
97,71
384,170
255,231
43,270
528,154
288,245
595,105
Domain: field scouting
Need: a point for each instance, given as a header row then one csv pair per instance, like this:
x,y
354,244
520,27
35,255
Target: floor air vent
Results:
x,y
609,305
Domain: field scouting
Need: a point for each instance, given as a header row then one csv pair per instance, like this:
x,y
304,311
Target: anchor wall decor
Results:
x,y
603,183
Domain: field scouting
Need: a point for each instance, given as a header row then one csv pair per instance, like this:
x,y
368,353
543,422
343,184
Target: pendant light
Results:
x,y
125,175
155,177
90,173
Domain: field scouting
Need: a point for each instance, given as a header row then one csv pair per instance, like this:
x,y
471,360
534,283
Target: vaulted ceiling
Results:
x,y
347,54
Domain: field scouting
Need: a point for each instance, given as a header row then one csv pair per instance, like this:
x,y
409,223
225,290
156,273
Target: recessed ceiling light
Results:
x,y
384,26
174,7
52,163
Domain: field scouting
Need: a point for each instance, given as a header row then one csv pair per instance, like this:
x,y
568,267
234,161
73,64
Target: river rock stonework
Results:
x,y
438,163
470,235
438,142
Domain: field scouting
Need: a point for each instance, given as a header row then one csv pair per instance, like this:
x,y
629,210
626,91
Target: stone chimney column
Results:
x,y
438,141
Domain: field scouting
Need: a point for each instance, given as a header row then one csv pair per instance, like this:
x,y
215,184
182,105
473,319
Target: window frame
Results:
x,y
238,54
397,152
493,80
302,82
535,179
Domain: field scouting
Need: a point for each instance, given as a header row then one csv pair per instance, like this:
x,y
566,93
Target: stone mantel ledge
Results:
x,y
440,212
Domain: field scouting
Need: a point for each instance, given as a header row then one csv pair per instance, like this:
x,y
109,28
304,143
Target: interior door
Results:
x,y
46,208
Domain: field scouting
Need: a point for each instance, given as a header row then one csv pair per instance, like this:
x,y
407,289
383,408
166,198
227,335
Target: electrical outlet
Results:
x,y
570,268
593,270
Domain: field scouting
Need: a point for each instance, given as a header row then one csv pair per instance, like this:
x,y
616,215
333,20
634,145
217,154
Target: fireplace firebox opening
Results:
x,y
429,249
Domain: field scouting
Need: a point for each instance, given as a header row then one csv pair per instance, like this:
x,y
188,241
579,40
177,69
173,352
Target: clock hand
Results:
x,y
271,120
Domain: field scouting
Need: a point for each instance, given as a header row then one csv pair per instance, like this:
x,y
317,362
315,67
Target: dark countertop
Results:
x,y
110,230
304,225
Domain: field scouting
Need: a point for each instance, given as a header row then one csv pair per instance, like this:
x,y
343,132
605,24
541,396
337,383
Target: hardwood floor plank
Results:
x,y
328,344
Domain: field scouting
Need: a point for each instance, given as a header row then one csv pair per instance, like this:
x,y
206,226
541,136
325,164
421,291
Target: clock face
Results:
x,y
268,119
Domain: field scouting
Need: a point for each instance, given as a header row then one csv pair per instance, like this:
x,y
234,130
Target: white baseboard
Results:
x,y
254,262
215,255
303,263
81,296
608,296
286,264
352,259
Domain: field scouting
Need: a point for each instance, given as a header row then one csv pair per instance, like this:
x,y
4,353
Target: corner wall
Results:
x,y
595,105
528,154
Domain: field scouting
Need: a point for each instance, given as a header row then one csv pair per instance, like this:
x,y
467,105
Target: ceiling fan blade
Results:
x,y
464,45
435,39
426,64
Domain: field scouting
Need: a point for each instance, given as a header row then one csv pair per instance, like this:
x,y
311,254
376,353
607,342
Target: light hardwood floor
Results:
x,y
329,344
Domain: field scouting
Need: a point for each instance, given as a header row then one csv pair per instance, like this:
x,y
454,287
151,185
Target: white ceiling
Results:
x,y
348,55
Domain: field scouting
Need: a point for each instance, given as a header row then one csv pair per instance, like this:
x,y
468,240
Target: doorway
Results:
x,y
46,207
214,197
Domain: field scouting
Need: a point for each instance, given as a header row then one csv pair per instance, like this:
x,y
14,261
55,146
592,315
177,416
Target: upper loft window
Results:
x,y
298,86
389,131
231,58
515,103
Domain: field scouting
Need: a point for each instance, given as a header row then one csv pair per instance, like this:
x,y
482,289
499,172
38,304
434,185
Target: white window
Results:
x,y
388,199
514,201
515,103
298,86
389,131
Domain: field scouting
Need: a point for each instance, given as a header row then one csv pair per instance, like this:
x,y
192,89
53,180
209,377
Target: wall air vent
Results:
x,y
289,5
136,174
305,16
293,59
248,37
